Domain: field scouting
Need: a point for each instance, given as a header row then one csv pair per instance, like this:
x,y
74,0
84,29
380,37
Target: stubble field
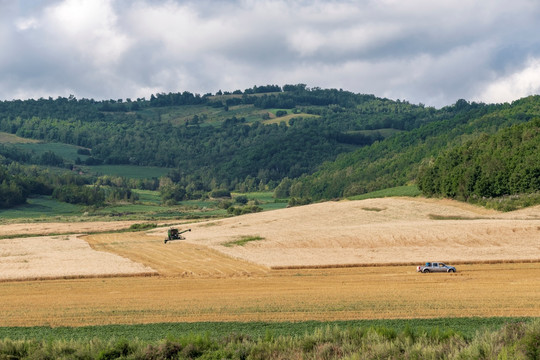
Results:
x,y
332,261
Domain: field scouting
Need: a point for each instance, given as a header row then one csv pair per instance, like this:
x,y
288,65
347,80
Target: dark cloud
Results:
x,y
433,52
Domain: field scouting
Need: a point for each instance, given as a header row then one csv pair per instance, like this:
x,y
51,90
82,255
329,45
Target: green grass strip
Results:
x,y
467,327
243,241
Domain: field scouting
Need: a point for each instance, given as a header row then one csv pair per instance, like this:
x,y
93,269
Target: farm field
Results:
x,y
331,261
375,231
282,295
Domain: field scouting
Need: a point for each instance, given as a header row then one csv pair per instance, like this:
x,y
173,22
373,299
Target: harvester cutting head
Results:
x,y
174,234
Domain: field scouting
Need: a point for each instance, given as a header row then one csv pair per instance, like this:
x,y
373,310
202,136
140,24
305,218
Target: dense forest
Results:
x,y
488,166
398,159
309,143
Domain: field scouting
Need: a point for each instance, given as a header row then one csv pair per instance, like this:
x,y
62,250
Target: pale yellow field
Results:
x,y
376,231
282,276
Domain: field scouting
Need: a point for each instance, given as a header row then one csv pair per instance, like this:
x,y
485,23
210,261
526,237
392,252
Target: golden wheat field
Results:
x,y
330,261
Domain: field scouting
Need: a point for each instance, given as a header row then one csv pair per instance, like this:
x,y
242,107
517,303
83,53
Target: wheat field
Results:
x,y
331,261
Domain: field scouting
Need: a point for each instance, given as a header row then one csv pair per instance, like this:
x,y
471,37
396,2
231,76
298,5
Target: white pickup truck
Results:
x,y
436,267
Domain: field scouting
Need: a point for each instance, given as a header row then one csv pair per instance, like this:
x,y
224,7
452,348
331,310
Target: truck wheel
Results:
x,y
451,270
426,271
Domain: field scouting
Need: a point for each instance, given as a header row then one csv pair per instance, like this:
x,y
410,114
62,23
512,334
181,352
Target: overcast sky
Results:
x,y
423,51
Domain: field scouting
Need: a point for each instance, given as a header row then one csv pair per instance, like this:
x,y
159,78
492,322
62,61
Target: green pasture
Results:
x,y
66,151
467,327
148,196
148,207
265,198
41,207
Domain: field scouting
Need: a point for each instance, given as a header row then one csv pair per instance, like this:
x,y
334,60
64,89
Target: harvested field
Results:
x,y
64,256
346,233
284,295
376,231
209,277
183,259
38,229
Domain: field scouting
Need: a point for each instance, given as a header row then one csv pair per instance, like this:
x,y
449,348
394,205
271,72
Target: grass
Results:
x,y
265,200
453,217
514,340
149,207
407,190
373,209
243,241
148,196
288,117
66,151
7,138
468,327
41,208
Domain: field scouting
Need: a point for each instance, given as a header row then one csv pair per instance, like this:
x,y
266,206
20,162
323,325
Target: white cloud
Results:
x,y
519,84
87,27
433,52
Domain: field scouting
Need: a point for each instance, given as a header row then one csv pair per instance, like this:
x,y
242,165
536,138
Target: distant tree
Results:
x,y
241,199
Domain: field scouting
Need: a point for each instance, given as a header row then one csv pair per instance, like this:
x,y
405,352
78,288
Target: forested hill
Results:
x,y
311,143
245,140
397,160
487,166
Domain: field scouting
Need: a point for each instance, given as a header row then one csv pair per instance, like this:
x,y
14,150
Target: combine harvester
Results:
x,y
174,234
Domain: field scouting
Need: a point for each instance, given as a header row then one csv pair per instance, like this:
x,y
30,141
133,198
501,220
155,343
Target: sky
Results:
x,y
432,52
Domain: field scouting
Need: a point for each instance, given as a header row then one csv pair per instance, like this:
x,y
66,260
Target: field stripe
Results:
x,y
178,258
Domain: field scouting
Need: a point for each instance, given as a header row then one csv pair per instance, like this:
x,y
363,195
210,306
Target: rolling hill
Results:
x,y
306,143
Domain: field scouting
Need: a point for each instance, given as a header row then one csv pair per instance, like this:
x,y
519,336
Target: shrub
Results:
x,y
145,226
241,199
244,210
220,193
298,201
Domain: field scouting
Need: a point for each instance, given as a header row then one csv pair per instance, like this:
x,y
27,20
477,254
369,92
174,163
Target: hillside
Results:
x,y
305,143
505,163
396,160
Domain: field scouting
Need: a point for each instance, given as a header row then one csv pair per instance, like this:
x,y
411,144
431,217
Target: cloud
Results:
x,y
84,28
433,52
521,83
